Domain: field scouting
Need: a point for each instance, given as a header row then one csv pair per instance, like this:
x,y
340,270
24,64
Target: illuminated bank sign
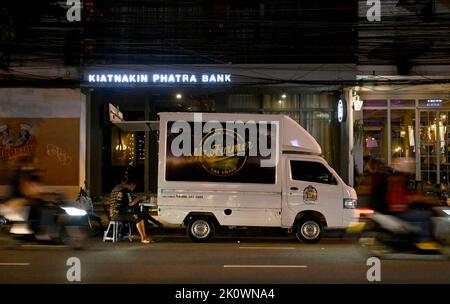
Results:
x,y
157,78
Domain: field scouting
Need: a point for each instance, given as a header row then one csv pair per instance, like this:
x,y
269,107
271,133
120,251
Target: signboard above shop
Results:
x,y
158,78
433,103
114,114
205,75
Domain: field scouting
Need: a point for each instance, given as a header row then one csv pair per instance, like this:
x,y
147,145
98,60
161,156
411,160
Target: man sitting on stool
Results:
x,y
121,208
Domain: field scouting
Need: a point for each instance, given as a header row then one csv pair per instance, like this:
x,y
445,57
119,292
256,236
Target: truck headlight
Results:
x,y
350,203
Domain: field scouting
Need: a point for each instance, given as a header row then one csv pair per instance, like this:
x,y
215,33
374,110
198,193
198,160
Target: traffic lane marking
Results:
x,y
266,248
15,264
265,266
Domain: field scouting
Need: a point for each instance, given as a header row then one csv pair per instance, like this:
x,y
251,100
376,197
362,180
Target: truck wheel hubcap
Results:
x,y
200,229
310,230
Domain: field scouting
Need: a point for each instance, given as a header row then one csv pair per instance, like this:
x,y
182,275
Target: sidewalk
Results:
x,y
238,232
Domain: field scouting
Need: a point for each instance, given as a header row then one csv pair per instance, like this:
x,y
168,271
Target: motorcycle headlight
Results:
x,y
72,211
350,203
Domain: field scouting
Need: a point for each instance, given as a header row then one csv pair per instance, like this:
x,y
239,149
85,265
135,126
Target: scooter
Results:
x,y
42,222
383,235
94,222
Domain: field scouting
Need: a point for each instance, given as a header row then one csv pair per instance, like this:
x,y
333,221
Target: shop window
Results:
x,y
375,136
123,148
244,102
196,103
444,151
435,146
375,103
403,140
281,101
315,113
397,103
428,146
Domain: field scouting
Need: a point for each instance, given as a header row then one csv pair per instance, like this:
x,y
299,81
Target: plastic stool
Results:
x,y
114,227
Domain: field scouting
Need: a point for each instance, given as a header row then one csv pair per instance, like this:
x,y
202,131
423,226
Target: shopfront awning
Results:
x,y
136,126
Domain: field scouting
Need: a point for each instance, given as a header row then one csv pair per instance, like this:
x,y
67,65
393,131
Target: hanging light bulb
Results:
x,y
402,133
120,146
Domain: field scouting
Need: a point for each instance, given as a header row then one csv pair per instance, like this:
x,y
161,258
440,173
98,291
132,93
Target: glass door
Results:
x,y
434,147
444,148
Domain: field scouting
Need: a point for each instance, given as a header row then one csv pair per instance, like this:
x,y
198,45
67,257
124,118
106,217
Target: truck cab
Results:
x,y
312,192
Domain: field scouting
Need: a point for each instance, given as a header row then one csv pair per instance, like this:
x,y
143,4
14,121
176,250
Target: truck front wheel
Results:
x,y
201,229
308,230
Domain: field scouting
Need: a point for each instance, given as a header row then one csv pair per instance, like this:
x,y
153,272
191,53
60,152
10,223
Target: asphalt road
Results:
x,y
174,259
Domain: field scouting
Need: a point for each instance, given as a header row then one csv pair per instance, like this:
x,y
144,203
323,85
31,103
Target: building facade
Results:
x,y
305,59
205,88
407,124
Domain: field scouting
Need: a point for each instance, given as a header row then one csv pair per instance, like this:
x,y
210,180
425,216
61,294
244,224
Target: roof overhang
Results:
x,y
137,126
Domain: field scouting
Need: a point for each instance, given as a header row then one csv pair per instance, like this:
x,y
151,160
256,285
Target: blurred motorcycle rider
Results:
x,y
409,206
26,193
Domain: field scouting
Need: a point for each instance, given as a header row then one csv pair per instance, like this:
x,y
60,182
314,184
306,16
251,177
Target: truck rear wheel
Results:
x,y
201,229
309,230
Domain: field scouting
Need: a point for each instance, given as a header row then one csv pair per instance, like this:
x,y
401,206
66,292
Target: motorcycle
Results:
x,y
42,221
383,235
94,222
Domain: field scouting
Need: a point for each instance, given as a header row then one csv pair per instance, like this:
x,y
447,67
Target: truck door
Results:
x,y
311,185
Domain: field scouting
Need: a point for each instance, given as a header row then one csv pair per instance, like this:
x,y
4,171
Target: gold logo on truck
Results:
x,y
310,194
221,158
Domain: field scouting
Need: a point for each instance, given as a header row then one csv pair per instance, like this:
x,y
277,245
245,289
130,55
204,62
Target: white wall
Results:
x,y
31,102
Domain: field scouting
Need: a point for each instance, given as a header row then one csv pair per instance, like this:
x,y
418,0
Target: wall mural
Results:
x,y
53,144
